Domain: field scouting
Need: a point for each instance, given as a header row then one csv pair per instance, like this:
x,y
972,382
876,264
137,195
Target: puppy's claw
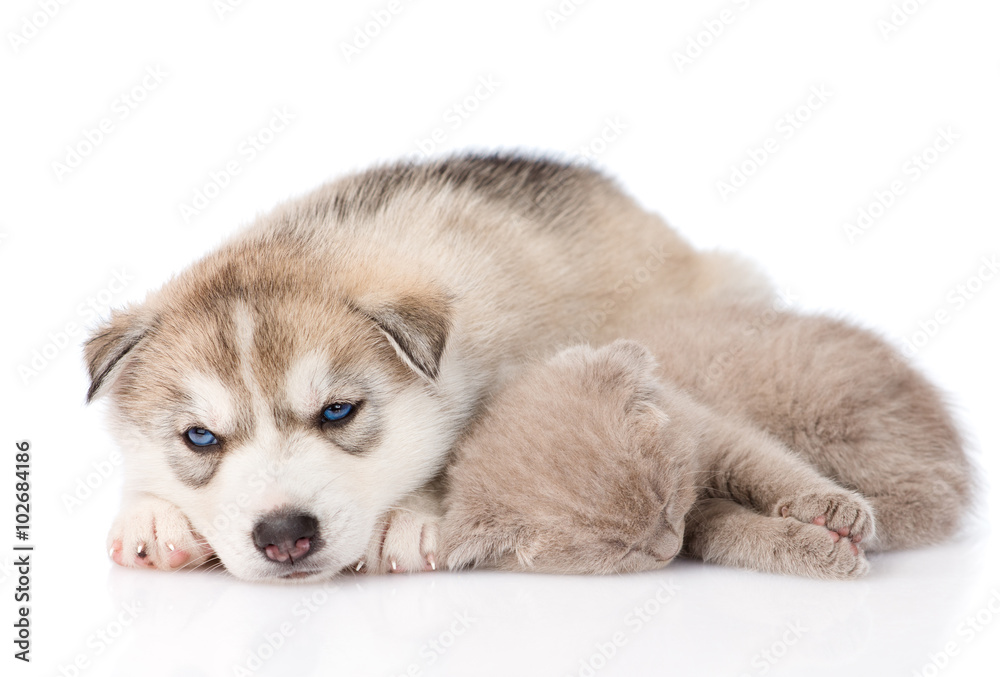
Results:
x,y
407,541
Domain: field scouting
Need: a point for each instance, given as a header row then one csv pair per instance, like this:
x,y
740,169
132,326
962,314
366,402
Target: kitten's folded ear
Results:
x,y
416,324
629,366
106,352
629,356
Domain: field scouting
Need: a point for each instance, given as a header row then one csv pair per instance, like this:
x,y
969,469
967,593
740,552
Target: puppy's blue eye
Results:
x,y
338,411
200,437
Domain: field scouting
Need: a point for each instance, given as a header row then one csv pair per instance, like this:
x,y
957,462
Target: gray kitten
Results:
x,y
766,440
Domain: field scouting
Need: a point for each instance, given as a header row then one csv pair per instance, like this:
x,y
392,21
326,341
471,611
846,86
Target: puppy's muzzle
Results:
x,y
286,536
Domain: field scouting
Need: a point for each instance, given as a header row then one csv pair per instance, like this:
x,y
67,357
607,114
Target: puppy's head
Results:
x,y
282,412
573,469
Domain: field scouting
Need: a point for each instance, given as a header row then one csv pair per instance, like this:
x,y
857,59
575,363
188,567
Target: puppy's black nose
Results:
x,y
286,536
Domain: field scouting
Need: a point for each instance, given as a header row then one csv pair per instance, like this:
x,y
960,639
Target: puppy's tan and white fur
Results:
x,y
766,440
405,293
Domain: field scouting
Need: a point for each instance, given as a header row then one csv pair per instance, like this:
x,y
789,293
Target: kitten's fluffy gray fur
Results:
x,y
740,434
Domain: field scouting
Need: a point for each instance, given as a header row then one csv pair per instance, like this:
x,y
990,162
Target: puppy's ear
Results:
x,y
417,326
106,351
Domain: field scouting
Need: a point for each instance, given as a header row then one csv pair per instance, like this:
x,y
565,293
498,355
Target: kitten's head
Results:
x,y
574,468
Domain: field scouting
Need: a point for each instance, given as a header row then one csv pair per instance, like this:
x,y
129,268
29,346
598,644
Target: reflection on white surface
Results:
x,y
690,618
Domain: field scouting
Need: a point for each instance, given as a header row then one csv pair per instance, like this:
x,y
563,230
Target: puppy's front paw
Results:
x,y
152,533
406,541
844,512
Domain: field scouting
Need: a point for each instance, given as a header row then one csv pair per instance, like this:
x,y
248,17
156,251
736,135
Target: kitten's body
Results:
x,y
788,441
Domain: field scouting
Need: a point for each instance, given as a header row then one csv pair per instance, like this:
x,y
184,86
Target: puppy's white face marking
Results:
x,y
308,384
244,335
211,403
261,382
345,492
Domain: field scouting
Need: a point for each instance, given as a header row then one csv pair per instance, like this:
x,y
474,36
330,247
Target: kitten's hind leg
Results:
x,y
919,483
724,532
917,509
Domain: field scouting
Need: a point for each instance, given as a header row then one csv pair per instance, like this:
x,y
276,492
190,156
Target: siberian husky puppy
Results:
x,y
287,402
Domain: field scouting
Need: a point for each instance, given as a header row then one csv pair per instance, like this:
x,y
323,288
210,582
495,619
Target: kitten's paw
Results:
x,y
843,512
406,541
822,553
152,533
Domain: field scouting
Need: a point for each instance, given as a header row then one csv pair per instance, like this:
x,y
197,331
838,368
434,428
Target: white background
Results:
x,y
681,127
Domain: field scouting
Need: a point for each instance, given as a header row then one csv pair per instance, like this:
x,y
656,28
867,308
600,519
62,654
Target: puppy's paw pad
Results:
x,y
151,533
